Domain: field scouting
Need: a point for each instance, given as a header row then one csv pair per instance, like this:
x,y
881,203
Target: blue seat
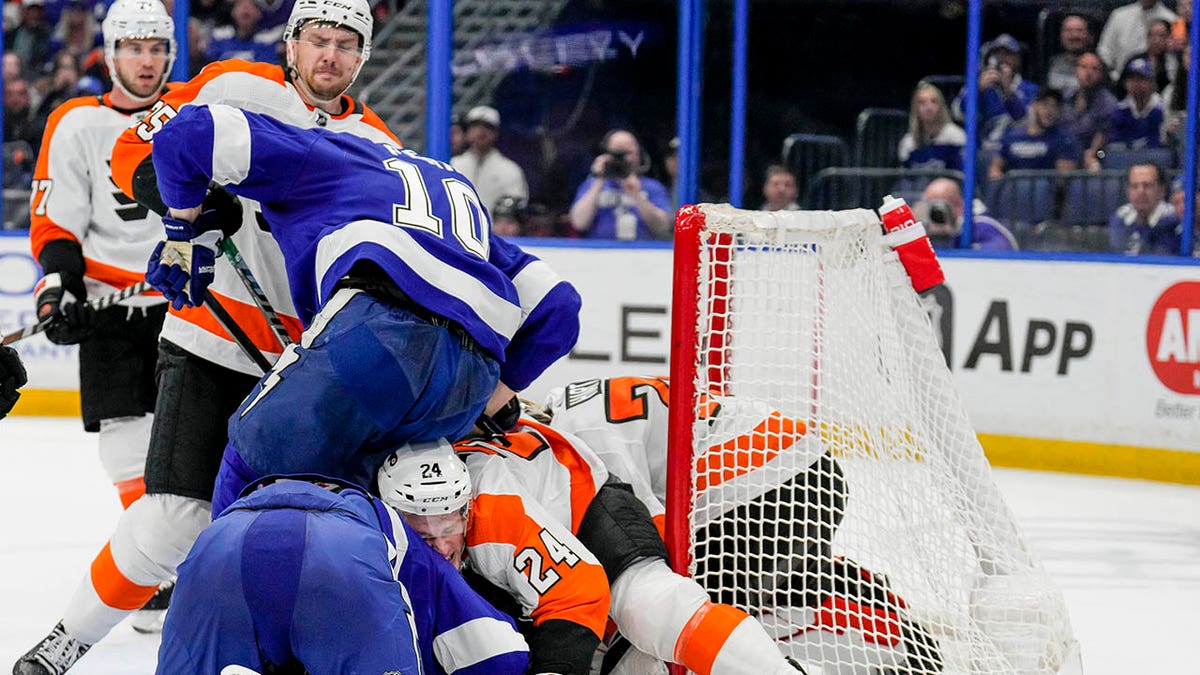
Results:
x,y
1091,199
1023,199
1121,158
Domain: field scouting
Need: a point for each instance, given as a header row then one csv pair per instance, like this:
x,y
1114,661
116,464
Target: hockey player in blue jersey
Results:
x,y
313,573
416,317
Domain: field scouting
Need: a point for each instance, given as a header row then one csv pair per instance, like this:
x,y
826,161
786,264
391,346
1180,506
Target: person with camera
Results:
x,y
941,210
617,201
1004,96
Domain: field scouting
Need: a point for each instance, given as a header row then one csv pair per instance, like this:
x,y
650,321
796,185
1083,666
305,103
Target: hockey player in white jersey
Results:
x,y
202,374
91,240
788,566
536,472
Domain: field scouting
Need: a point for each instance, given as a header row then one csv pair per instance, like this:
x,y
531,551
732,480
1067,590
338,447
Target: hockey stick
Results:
x,y
235,331
256,292
103,302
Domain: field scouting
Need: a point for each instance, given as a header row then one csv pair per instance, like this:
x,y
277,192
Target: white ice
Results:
x,y
1125,553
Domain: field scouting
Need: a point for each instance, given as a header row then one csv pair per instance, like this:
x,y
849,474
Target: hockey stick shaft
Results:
x,y
103,302
235,331
256,292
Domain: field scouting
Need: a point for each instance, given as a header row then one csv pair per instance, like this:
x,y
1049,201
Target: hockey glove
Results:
x,y
12,378
61,300
221,210
183,266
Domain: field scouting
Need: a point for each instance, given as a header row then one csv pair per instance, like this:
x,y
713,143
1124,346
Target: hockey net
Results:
x,y
861,524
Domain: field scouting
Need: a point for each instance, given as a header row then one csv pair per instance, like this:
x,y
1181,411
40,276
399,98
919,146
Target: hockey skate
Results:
x,y
150,618
54,655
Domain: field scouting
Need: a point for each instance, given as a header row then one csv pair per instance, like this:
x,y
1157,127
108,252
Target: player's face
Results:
x,y
140,65
325,59
446,533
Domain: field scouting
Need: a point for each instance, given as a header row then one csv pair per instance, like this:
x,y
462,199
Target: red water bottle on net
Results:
x,y
906,236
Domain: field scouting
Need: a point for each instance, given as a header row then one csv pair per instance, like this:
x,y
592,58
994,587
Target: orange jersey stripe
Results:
x,y
114,589
583,485
115,276
741,455
580,595
132,149
247,316
705,634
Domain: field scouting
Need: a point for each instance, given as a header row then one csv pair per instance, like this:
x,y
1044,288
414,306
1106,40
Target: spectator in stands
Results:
x,y
245,39
1138,120
671,164
1040,143
779,189
1180,27
1004,95
617,201
30,40
1075,38
458,136
62,84
933,141
1147,224
76,32
1125,32
198,37
941,210
1088,107
1177,201
1163,61
21,122
13,68
508,216
492,174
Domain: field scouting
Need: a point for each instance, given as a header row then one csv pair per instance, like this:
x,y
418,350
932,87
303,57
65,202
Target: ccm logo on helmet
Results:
x,y
1173,338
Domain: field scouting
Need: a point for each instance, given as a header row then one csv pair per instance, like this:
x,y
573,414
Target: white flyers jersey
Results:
x,y
624,421
517,544
261,88
74,197
555,468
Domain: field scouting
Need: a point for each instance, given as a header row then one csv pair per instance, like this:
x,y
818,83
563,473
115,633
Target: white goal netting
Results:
x,y
835,488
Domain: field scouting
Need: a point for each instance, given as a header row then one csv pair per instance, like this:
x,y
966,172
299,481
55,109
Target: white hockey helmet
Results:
x,y
352,15
137,20
425,479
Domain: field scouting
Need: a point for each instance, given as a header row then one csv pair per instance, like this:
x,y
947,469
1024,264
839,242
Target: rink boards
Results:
x,y
1087,365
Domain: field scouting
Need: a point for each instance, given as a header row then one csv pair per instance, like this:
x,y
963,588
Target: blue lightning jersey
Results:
x,y
333,200
322,572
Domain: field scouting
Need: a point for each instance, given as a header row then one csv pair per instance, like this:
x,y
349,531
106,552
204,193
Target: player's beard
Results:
x,y
325,92
138,88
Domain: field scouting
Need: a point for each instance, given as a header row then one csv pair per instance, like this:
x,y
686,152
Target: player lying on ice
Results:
x,y
826,610
415,315
308,574
534,513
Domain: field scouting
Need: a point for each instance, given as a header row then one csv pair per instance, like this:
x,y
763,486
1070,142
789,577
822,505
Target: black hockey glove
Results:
x,y
62,300
60,297
220,210
12,378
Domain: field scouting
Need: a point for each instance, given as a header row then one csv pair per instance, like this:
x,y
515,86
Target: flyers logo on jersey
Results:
x,y
1173,338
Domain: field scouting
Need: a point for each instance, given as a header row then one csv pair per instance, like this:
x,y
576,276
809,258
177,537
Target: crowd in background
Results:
x,y
1109,95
